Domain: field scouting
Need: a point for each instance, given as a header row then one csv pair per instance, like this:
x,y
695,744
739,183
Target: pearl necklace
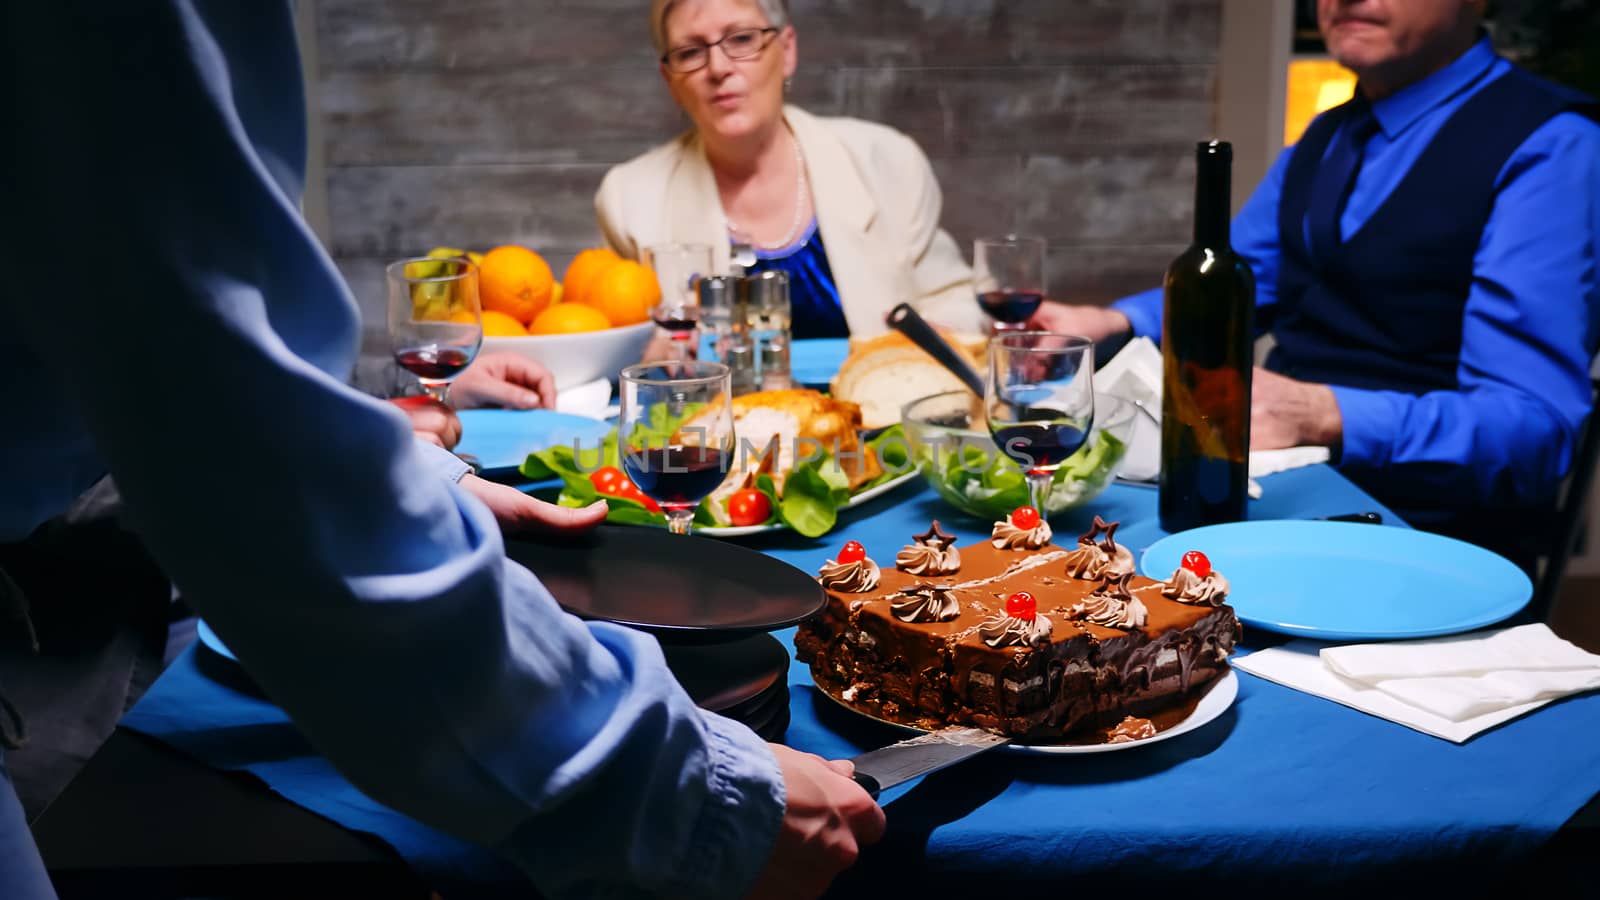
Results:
x,y
798,224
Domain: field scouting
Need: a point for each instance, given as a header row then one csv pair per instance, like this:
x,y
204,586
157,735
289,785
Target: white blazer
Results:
x,y
877,206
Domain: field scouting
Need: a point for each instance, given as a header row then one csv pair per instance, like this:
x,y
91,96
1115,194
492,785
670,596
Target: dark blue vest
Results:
x,y
1383,310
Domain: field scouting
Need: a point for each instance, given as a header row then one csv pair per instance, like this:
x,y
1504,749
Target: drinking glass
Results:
x,y
435,325
678,267
1040,402
675,433
1008,273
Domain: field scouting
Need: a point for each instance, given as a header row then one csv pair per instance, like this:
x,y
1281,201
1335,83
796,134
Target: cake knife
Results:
x,y
881,769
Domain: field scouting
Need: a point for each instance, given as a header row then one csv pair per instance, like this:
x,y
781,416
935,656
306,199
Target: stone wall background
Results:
x,y
478,122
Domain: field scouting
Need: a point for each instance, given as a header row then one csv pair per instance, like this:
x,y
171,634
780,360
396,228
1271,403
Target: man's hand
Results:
x,y
519,513
504,379
431,420
1289,413
1093,322
827,819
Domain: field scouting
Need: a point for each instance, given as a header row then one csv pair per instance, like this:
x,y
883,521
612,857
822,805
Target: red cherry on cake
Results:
x,y
1021,605
1025,518
852,552
1196,562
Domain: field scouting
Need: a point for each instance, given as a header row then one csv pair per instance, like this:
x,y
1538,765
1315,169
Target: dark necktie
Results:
x,y
1337,176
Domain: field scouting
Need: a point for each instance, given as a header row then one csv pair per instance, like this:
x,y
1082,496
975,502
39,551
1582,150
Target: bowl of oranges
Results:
x,y
591,324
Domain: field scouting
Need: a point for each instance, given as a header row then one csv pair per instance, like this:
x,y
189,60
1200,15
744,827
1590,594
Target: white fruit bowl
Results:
x,y
575,359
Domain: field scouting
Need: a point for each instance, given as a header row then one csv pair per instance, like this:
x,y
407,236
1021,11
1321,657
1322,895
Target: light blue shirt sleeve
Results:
x,y
1526,343
1254,236
369,597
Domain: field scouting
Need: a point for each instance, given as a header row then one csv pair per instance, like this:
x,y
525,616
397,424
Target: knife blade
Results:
x,y
881,769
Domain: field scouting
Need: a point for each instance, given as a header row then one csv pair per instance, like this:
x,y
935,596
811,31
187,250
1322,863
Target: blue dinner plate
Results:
x,y
1341,581
502,438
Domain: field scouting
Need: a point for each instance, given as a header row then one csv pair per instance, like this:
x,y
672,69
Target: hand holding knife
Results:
x,y
881,769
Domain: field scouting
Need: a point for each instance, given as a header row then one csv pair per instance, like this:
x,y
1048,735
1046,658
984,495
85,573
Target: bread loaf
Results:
x,y
884,374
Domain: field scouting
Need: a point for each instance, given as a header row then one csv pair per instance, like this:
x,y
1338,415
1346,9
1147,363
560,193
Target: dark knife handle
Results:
x,y
1365,518
868,784
905,320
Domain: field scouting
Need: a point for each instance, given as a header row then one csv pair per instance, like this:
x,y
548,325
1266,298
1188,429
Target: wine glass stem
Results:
x,y
1039,484
437,390
679,520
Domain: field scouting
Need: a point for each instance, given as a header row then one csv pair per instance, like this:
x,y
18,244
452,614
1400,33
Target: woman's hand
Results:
x,y
431,420
504,379
827,819
519,513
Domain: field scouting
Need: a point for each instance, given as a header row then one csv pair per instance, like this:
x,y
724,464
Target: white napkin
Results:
x,y
588,399
1134,374
1451,688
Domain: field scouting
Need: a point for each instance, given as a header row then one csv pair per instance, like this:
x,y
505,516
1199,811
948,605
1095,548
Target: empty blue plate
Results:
x,y
502,438
1341,581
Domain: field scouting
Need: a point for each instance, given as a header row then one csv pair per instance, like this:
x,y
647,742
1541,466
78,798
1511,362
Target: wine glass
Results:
x,y
678,267
1040,402
675,433
435,325
1008,273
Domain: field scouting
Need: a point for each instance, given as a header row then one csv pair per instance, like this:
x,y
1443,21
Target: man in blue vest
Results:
x,y
1426,259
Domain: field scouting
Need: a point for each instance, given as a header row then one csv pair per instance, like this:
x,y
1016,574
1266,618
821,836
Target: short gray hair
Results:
x,y
776,11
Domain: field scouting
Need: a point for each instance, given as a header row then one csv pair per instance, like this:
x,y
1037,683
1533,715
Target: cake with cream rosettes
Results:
x,y
1019,635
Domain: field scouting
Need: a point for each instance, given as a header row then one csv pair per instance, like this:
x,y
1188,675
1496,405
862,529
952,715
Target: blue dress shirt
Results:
x,y
1530,324
195,342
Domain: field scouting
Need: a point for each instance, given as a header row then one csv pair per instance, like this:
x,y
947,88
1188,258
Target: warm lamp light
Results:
x,y
1314,85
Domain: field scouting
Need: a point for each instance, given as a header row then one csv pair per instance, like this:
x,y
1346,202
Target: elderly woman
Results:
x,y
849,209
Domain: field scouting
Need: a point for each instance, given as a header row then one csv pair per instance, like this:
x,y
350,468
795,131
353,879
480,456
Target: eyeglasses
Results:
x,y
741,44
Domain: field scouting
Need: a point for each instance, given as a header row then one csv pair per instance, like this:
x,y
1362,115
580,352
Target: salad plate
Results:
x,y
870,493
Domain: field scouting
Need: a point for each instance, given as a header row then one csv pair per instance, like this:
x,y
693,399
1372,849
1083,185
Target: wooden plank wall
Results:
x,y
477,122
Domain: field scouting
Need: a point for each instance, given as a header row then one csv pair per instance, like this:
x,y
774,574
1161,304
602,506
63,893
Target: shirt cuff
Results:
x,y
1366,418
442,462
739,824
1144,312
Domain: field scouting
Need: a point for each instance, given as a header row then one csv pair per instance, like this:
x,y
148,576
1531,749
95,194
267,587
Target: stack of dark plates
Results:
x,y
709,603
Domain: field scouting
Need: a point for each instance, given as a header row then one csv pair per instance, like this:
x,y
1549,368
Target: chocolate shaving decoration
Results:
x,y
1088,537
935,537
1109,545
1116,586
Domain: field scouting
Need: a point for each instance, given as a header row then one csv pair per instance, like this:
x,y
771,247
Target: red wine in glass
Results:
x,y
678,321
1010,306
676,475
1040,444
432,362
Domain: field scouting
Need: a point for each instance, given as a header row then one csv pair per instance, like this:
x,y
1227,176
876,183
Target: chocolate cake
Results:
x,y
1018,635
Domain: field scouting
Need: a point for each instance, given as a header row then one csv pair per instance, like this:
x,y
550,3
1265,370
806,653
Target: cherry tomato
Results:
x,y
1196,562
633,493
852,552
749,507
1025,517
610,480
1021,605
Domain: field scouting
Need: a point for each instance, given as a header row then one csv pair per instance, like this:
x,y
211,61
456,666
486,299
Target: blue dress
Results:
x,y
814,307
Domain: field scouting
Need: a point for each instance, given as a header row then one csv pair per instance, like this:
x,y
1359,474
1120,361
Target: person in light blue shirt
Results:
x,y
1426,258
163,145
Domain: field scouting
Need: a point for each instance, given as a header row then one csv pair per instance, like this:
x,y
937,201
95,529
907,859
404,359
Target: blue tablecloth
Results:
x,y
1283,789
1283,785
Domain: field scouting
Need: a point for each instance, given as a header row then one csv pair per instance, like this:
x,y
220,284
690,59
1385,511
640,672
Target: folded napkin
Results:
x,y
1451,688
589,399
1134,374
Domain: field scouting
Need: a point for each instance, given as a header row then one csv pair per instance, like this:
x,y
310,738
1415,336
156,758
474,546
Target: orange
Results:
x,y
569,318
584,270
625,293
516,281
464,317
498,324
557,293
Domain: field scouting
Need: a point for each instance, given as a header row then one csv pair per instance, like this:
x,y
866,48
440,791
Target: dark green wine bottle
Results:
x,y
1206,346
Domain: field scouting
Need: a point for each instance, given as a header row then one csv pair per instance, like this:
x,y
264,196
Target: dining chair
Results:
x,y
1571,505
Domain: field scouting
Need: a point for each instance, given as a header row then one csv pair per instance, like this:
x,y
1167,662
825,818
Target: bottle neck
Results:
x,y
1212,186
